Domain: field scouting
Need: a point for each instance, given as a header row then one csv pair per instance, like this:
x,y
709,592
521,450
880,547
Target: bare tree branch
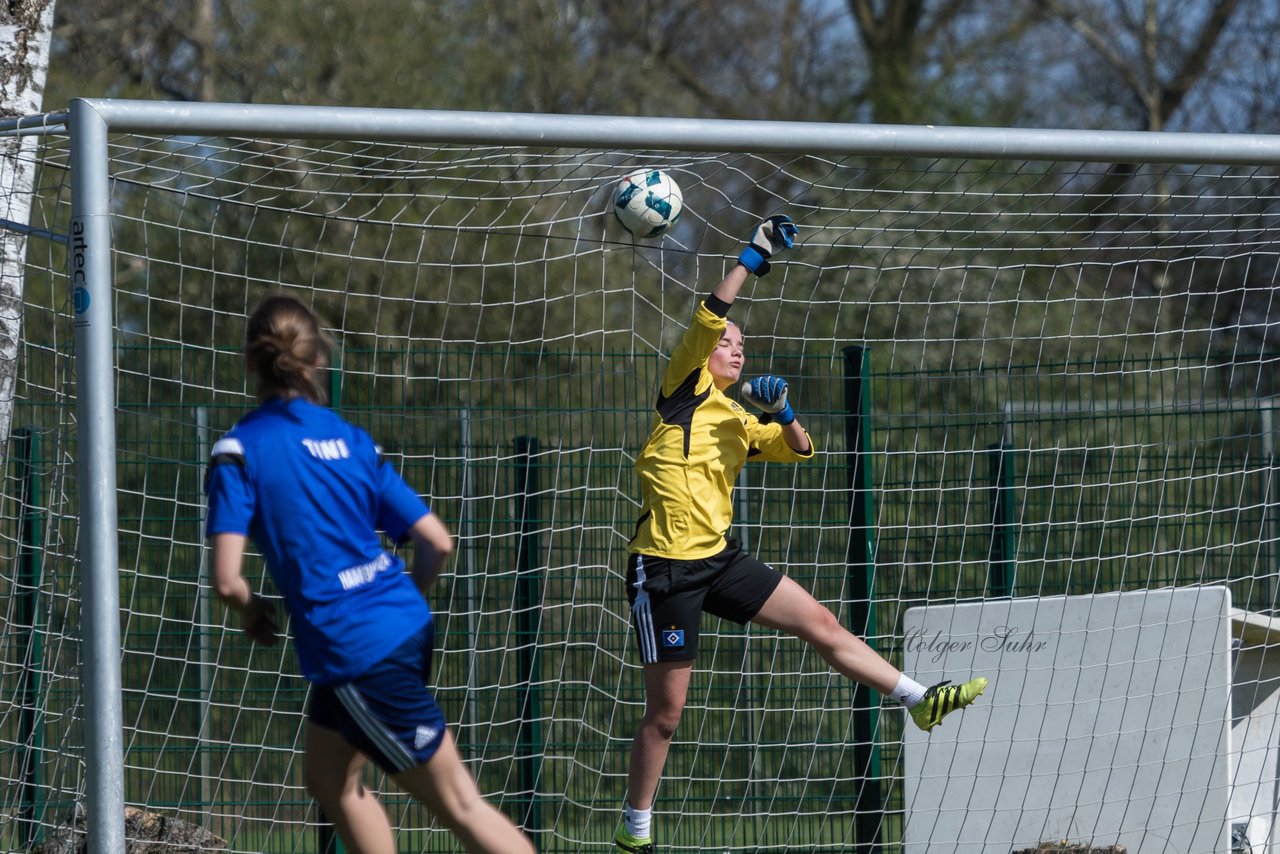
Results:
x,y
1197,60
1118,62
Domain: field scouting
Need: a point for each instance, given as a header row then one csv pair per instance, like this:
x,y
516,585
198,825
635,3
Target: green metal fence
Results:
x,y
984,483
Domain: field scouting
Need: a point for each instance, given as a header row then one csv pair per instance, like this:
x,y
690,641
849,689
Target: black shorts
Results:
x,y
668,597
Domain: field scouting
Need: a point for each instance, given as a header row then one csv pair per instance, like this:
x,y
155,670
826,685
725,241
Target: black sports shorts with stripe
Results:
x,y
668,597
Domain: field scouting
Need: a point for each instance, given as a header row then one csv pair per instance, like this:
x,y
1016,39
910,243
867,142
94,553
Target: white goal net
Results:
x,y
1057,376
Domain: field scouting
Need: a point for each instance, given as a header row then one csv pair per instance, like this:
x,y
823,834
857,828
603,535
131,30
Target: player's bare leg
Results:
x,y
446,787
333,770
793,610
666,685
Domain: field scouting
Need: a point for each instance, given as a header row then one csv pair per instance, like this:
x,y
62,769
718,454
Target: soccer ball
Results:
x,y
647,202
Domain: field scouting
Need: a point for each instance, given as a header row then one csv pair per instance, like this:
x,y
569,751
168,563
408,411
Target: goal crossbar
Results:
x,y
89,122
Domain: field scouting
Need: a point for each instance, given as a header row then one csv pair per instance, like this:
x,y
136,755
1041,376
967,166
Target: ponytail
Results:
x,y
285,346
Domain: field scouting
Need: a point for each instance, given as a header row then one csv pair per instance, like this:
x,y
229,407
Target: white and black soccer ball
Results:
x,y
647,202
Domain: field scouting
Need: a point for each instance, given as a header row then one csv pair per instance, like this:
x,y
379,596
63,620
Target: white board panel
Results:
x,y
1107,721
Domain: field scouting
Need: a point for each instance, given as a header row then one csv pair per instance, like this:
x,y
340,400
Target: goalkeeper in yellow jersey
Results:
x,y
681,562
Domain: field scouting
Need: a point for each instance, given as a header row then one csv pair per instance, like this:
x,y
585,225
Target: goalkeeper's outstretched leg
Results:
x,y
793,610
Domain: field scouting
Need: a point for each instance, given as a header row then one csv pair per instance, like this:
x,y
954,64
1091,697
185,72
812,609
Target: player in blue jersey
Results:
x,y
312,491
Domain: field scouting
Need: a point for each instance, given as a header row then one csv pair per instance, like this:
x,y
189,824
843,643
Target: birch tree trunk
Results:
x,y
26,27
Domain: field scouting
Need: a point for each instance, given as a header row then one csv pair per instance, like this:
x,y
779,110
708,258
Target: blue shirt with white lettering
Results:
x,y
312,491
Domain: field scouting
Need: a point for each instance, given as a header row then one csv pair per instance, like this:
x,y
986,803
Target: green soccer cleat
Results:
x,y
943,699
624,841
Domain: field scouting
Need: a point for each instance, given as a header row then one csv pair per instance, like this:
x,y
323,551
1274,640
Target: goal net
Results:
x,y
1023,378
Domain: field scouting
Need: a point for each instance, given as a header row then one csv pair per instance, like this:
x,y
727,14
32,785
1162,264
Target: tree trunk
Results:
x,y
25,30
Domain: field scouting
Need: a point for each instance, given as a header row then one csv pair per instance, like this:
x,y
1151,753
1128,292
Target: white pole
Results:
x,y
91,287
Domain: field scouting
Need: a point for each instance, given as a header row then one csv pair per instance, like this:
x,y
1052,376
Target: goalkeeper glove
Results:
x,y
769,395
772,235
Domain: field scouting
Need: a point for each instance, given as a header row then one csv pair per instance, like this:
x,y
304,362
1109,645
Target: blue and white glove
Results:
x,y
770,237
769,395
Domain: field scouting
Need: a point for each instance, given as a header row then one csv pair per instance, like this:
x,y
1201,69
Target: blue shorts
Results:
x,y
386,713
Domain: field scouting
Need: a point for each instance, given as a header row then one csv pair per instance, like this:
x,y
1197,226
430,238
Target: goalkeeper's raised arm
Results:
x,y
767,239
701,438
682,561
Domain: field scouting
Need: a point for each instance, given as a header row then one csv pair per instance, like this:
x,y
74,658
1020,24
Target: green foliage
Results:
x,y
1199,65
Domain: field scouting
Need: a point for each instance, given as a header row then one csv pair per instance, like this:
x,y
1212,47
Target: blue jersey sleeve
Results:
x,y
231,496
399,507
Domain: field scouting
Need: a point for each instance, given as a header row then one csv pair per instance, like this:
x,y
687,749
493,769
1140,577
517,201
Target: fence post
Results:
x,y
1002,559
30,538
745,714
528,611
327,840
204,619
860,571
335,381
465,576
1270,502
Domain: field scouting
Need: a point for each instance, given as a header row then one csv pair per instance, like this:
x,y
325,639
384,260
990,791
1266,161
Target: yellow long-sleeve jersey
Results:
x,y
699,442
